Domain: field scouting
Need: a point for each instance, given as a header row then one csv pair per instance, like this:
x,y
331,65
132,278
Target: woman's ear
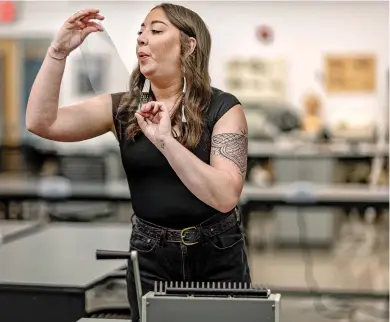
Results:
x,y
192,45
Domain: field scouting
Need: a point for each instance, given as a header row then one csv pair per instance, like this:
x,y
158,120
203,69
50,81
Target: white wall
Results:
x,y
304,31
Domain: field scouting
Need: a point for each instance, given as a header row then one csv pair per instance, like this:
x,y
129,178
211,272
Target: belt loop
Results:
x,y
163,236
238,215
132,219
199,228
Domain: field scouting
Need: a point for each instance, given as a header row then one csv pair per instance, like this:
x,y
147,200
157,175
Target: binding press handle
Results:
x,y
137,278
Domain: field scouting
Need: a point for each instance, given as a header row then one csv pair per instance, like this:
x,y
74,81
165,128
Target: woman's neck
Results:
x,y
167,91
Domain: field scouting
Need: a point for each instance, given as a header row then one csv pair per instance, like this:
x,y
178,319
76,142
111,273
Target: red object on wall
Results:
x,y
7,11
264,34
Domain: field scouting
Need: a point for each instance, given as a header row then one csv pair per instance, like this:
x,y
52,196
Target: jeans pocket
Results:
x,y
227,239
142,243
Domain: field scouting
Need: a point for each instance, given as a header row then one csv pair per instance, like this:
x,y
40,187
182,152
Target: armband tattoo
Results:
x,y
232,146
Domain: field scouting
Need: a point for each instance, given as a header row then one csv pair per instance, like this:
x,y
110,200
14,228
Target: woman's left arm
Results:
x,y
219,184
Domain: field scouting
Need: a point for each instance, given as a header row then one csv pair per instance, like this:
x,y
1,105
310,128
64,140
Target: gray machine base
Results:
x,y
101,320
209,309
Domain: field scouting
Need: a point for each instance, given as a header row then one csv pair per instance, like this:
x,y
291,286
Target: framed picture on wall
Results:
x,y
90,74
350,73
257,79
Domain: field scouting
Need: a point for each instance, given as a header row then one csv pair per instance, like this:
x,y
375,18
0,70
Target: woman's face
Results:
x,y
158,47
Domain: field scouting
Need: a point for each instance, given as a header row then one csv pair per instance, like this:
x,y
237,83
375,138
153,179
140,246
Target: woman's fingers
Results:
x,y
82,20
152,107
89,28
154,111
146,108
90,25
98,26
91,17
156,119
79,25
156,108
144,114
149,116
83,13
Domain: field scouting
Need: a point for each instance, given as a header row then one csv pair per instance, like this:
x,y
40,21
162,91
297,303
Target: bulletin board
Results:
x,y
257,79
350,73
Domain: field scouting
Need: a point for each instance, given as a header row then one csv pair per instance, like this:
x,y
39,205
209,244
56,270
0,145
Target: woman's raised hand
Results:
x,y
75,30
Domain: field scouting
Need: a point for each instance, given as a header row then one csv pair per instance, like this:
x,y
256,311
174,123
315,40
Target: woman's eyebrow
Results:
x,y
154,22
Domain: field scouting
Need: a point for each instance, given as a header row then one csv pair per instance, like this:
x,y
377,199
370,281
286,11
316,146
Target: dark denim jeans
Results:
x,y
221,258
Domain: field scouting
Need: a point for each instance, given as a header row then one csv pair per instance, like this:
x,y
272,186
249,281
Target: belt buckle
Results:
x,y
183,231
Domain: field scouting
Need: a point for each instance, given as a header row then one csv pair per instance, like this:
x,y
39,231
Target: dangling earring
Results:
x,y
144,94
183,117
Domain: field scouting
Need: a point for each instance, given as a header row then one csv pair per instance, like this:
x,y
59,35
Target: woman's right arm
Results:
x,y
78,122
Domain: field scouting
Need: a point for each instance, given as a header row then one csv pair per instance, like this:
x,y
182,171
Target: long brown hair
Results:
x,y
195,68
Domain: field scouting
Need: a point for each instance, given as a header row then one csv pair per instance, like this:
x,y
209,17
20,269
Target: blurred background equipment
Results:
x,y
315,89
266,121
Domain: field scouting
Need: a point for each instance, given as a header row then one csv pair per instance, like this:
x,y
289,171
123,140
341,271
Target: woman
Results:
x,y
183,146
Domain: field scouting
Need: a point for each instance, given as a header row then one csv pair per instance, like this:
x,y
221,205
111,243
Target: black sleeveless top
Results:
x,y
157,193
